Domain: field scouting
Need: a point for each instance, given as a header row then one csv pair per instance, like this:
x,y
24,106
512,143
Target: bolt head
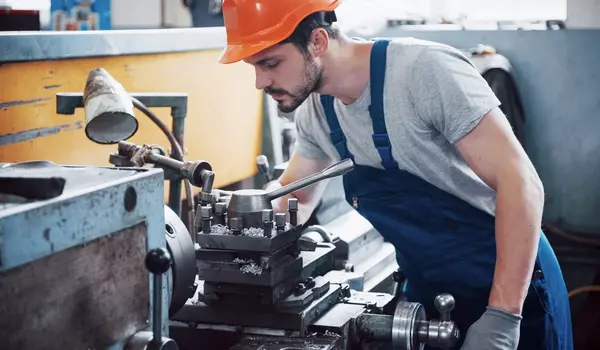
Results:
x,y
205,211
280,219
267,215
220,208
236,224
293,204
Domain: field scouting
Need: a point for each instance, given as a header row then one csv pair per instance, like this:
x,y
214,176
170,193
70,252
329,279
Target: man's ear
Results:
x,y
320,41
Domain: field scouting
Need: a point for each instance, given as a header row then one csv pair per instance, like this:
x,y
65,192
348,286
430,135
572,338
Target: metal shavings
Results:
x,y
251,268
327,333
220,230
248,232
248,266
253,232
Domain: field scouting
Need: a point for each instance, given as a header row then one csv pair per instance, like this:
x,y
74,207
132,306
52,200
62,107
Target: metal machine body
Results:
x,y
290,290
363,258
72,251
78,245
276,284
268,281
76,252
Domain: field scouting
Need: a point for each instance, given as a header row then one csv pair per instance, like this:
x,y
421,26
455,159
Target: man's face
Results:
x,y
287,74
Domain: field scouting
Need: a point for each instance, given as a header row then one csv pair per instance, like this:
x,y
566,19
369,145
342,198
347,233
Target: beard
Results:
x,y
312,81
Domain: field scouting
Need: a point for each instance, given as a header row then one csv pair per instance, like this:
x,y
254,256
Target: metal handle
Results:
x,y
442,333
158,262
263,166
334,170
444,303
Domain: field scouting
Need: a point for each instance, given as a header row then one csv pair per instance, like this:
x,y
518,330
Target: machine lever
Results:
x,y
442,333
411,330
158,262
334,170
444,303
263,166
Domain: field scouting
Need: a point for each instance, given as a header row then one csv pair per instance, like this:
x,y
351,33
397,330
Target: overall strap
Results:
x,y
376,109
336,134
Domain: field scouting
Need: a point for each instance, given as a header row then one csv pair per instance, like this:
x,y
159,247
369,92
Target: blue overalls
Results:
x,y
443,244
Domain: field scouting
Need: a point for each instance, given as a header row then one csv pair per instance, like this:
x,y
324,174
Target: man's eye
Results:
x,y
272,64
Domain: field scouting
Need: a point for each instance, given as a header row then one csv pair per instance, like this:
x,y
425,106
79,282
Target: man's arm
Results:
x,y
308,198
495,155
452,97
308,158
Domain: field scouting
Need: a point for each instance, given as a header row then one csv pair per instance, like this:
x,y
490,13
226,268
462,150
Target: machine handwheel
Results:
x,y
406,324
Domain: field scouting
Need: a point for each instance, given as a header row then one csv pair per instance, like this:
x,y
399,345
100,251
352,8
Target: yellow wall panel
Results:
x,y
223,124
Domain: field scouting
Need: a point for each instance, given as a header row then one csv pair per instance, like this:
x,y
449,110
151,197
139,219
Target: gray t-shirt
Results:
x,y
433,96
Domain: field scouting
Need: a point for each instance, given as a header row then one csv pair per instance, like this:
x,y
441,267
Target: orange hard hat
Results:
x,y
254,25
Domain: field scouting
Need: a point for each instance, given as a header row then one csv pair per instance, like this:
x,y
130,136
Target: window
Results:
x,y
370,16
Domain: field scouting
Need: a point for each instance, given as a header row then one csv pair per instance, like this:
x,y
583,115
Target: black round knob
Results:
x,y
158,261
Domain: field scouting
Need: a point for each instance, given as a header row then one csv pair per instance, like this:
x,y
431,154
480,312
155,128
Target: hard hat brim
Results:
x,y
236,53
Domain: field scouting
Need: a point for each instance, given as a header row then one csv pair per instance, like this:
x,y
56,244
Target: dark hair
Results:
x,y
301,35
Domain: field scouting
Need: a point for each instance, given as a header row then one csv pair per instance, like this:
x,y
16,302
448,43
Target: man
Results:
x,y
438,171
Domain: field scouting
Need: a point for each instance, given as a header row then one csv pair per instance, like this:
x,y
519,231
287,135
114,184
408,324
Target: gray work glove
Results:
x,y
496,329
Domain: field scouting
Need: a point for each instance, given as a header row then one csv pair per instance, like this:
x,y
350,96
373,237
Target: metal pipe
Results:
x,y
175,185
164,161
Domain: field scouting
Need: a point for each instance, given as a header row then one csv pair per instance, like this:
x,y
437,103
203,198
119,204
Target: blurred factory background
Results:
x,y
546,73
363,16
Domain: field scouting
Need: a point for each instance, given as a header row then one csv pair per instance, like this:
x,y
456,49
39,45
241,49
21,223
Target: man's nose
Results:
x,y
262,80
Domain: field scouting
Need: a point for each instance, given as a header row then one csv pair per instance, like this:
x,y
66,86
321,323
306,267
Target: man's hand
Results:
x,y
495,330
493,152
308,198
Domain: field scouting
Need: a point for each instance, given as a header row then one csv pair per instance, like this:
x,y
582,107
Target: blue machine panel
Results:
x,y
96,204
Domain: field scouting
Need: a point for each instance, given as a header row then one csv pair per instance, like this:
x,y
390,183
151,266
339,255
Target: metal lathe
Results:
x,y
76,266
91,258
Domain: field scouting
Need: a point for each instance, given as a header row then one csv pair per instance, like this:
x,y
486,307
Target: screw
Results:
x,y
267,219
280,221
237,225
293,210
206,213
220,212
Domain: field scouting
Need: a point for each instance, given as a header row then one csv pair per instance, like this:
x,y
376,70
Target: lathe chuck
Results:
x,y
181,248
